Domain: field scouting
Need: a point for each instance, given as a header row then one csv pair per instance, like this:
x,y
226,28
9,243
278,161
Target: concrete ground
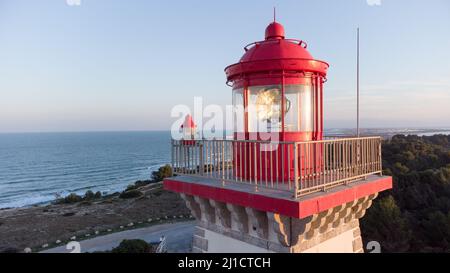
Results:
x,y
178,238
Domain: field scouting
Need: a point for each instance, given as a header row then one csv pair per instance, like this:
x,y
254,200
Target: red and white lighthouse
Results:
x,y
280,86
278,185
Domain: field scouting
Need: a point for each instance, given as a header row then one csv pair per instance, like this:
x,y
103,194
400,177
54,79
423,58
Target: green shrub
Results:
x,y
98,195
75,198
89,195
71,198
131,187
130,194
133,246
161,173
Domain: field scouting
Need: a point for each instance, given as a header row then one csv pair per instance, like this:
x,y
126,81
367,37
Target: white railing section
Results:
x,y
162,248
299,167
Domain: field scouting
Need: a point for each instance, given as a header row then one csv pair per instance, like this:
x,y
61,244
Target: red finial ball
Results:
x,y
274,31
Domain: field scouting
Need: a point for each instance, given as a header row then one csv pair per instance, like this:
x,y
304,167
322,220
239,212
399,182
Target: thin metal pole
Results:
x,y
357,82
274,14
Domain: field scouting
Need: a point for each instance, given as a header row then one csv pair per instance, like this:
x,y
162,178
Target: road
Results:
x,y
178,238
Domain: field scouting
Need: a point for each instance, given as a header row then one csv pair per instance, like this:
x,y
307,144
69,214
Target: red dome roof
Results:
x,y
276,49
188,122
275,46
276,53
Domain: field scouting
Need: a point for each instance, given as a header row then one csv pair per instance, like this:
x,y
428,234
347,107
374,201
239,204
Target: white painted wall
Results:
x,y
218,243
343,243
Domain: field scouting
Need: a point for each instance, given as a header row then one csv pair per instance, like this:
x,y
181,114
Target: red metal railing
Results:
x,y
299,167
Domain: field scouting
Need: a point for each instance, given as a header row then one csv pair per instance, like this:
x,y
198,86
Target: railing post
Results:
x,y
201,162
255,176
295,170
172,155
358,157
380,157
223,159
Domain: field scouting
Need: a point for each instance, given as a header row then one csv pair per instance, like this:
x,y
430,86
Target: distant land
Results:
x,y
389,132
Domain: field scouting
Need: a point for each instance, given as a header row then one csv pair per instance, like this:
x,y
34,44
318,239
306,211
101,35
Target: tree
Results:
x,y
384,223
133,246
163,172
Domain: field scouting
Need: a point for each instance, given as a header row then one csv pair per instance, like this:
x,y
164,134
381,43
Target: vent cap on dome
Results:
x,y
275,31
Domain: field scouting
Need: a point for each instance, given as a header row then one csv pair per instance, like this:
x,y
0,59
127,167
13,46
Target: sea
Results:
x,y
35,168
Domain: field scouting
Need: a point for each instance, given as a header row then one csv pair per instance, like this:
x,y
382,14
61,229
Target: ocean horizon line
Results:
x,y
82,131
168,130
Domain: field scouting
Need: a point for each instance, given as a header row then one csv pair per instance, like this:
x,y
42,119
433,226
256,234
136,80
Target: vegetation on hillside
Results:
x,y
75,198
415,215
134,246
132,190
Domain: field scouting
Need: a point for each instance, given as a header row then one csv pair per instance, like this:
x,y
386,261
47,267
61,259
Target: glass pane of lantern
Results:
x,y
292,114
264,108
306,109
239,110
299,108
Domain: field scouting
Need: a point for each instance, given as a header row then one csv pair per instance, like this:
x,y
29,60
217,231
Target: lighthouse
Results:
x,y
279,184
280,85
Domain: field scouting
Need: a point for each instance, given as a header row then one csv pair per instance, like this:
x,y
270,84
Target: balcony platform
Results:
x,y
279,201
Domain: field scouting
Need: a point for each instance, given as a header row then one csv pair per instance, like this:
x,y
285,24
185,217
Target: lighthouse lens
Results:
x,y
264,108
268,103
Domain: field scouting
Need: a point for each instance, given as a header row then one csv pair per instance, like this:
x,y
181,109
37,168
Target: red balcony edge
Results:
x,y
300,208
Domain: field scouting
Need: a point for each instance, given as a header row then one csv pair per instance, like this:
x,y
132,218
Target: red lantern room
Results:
x,y
280,85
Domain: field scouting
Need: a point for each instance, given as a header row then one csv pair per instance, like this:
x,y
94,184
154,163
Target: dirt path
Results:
x,y
178,238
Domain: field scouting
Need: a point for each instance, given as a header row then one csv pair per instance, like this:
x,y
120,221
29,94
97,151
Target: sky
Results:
x,y
111,65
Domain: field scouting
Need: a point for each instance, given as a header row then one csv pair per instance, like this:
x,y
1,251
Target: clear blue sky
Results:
x,y
122,65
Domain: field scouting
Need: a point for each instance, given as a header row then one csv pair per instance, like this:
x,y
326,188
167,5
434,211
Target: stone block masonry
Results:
x,y
232,228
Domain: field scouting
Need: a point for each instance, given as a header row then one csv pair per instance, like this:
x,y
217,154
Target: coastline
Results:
x,y
29,187
48,225
41,227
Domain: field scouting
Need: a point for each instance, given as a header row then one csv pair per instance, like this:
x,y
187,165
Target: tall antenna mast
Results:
x,y
357,82
274,14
